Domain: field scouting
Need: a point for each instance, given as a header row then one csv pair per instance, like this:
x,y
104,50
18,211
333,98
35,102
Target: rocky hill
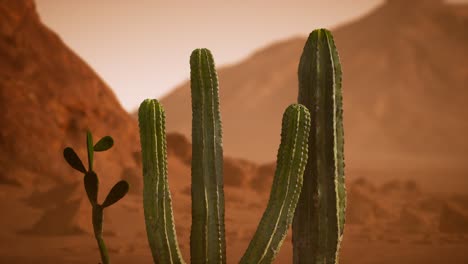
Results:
x,y
49,97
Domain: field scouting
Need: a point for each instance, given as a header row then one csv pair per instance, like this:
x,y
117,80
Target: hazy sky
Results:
x,y
141,48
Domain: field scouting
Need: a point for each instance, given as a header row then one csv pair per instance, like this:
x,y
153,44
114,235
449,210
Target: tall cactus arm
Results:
x,y
207,238
156,196
319,218
286,188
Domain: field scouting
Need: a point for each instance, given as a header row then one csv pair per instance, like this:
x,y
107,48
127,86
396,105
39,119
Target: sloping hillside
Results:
x,y
49,97
405,76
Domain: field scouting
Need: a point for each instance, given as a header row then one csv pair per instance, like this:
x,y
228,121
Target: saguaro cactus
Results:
x,y
286,188
208,236
319,218
91,184
157,203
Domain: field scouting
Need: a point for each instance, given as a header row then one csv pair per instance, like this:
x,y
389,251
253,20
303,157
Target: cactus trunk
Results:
x,y
207,238
286,188
319,218
156,196
97,217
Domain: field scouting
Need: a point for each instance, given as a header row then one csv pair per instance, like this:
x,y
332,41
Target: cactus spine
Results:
x,y
91,184
319,219
287,184
156,196
207,238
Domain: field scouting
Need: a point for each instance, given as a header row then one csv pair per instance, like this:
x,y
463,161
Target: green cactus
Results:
x,y
286,188
208,235
157,203
319,218
91,183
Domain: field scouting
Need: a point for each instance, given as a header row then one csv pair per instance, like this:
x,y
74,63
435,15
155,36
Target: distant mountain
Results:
x,y
405,76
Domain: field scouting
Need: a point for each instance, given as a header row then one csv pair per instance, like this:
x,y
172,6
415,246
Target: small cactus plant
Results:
x,y
207,238
320,214
91,184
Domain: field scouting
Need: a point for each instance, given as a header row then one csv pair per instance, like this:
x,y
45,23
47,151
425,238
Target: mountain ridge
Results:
x,y
411,59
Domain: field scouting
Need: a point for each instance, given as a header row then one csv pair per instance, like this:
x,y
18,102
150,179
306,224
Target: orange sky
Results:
x,y
141,48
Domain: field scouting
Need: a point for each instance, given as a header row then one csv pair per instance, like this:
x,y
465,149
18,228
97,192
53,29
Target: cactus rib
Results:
x,y
286,188
156,196
319,219
207,238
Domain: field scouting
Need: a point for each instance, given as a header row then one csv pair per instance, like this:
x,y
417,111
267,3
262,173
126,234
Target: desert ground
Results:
x,y
394,222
